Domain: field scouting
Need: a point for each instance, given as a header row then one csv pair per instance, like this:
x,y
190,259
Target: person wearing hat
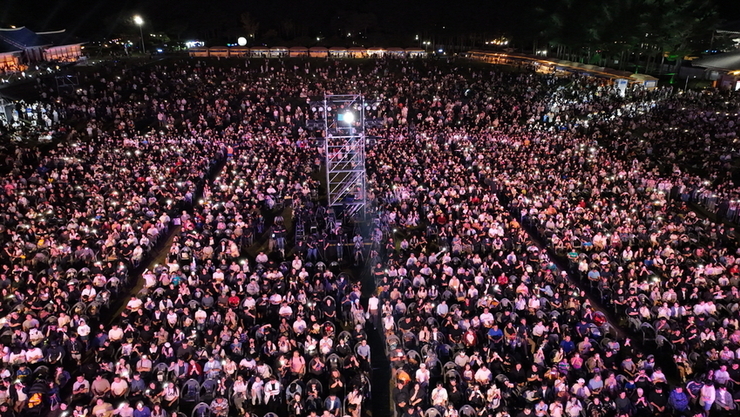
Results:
x,y
580,389
83,331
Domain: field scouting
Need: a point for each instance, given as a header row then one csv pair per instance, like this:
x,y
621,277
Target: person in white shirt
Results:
x,y
285,310
372,305
34,355
134,304
423,375
721,376
486,318
272,391
710,308
439,396
297,264
443,309
326,345
88,293
150,280
700,308
483,376
115,334
707,395
539,329
218,275
83,330
299,326
261,258
119,387
574,407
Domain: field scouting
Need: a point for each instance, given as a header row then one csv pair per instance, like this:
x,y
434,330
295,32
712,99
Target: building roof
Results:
x,y
60,37
18,39
21,38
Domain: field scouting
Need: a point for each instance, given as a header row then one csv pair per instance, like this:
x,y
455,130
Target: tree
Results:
x,y
250,25
683,27
641,30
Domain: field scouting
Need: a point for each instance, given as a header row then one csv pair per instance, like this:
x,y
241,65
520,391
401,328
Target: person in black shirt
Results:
x,y
411,412
455,333
400,396
454,393
406,324
534,377
146,335
596,408
527,412
517,375
658,399
185,352
624,404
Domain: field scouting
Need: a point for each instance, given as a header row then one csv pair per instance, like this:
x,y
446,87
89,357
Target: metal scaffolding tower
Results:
x,y
344,150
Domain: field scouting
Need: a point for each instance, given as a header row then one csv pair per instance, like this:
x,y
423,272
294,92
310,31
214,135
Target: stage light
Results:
x,y
348,117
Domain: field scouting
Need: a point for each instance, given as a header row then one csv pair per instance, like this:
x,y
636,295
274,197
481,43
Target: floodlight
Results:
x,y
349,117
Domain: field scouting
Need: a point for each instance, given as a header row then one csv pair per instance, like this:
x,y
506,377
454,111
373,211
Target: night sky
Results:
x,y
214,19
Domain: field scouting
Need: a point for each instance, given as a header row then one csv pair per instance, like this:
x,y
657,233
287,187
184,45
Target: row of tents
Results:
x,y
300,51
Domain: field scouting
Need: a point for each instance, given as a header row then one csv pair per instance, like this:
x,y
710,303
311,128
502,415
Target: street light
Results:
x,y
139,21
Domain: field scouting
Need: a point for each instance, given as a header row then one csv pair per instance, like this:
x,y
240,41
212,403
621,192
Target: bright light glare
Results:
x,y
349,117
138,20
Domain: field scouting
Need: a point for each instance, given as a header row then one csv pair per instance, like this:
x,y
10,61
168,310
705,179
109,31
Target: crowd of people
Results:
x,y
507,209
621,221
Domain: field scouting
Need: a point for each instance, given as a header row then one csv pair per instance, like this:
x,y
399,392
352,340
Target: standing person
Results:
x,y
707,395
373,304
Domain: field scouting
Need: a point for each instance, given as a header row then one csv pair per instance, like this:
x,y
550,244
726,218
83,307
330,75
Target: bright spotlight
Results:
x,y
348,117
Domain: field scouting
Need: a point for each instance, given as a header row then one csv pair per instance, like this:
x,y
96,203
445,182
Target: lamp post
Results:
x,y
139,21
686,86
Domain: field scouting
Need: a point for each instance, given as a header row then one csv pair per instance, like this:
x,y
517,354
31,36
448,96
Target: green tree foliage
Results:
x,y
249,24
623,29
